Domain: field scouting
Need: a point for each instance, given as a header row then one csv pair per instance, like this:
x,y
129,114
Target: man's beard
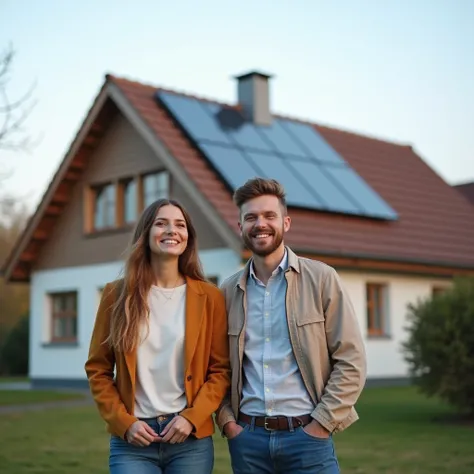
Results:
x,y
263,251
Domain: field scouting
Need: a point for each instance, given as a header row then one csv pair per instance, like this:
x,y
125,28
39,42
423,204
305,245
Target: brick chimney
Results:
x,y
253,93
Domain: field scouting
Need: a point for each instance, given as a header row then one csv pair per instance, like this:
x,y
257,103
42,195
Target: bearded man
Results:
x,y
297,354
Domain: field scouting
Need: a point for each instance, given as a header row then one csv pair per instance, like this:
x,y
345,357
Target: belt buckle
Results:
x,y
265,422
162,418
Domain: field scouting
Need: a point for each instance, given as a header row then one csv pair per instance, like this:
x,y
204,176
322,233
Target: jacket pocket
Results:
x,y
310,319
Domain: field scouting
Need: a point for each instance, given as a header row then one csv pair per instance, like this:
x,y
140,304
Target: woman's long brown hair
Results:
x,y
131,309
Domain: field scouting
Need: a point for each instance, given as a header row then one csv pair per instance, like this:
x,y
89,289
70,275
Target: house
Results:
x,y
374,210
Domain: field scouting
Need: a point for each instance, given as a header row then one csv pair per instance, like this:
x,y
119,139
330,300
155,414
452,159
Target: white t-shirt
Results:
x,y
160,356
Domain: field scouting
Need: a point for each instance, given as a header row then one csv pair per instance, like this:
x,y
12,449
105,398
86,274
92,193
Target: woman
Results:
x,y
163,329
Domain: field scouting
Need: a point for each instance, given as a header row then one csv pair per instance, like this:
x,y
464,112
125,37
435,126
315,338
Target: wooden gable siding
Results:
x,y
122,153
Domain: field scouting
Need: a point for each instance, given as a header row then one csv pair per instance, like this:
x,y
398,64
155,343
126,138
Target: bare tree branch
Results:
x,y
14,113
6,60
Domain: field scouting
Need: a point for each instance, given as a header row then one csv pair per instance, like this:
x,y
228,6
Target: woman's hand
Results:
x,y
176,431
141,434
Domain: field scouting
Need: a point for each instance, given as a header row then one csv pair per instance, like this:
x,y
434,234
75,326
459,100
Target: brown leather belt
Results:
x,y
276,423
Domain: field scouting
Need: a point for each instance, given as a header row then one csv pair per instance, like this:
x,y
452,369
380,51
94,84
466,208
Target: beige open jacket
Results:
x,y
325,335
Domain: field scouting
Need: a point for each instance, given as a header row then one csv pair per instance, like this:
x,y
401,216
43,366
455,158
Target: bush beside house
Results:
x,y
440,346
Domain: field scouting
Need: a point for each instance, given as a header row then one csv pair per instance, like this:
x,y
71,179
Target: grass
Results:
x,y
397,434
21,397
13,379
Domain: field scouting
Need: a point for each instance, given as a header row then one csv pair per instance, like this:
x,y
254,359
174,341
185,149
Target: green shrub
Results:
x,y
14,351
440,346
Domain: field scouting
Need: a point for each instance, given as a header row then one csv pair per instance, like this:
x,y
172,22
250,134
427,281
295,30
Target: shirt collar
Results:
x,y
282,266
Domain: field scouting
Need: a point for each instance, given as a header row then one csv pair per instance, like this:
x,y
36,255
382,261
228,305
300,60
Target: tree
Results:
x,y
13,113
14,298
15,349
440,346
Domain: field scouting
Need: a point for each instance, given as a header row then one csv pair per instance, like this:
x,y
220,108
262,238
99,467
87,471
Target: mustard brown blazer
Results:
x,y
206,354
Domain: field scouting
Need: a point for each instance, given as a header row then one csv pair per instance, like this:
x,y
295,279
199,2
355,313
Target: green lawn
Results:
x,y
396,435
20,397
4,379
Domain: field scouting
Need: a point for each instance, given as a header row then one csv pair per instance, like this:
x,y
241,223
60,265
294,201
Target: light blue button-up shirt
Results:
x,y
272,382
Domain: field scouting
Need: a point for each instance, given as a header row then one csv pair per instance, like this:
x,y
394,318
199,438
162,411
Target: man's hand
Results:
x,y
232,429
176,431
316,430
140,434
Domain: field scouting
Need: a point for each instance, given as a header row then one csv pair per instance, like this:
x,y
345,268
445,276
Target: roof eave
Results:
x,y
381,263
14,258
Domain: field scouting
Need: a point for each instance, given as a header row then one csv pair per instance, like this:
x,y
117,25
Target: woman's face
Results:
x,y
169,232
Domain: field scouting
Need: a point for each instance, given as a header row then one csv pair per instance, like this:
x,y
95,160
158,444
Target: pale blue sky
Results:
x,y
402,70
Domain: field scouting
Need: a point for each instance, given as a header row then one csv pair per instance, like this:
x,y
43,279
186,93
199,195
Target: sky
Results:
x,y
400,70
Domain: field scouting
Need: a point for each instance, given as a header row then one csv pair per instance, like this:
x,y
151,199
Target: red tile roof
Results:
x,y
467,190
435,225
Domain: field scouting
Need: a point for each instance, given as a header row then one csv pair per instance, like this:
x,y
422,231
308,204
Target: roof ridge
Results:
x,y
171,91
203,98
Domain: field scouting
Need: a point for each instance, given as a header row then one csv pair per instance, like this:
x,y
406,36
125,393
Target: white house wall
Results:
x,y
384,355
60,362
50,362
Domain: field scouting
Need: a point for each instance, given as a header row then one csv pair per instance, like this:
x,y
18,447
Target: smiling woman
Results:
x,y
169,233
161,323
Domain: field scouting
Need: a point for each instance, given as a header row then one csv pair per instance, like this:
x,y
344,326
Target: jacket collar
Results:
x,y
293,264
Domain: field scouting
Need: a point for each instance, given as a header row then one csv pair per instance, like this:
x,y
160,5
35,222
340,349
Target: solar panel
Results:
x,y
195,119
314,175
231,164
371,203
333,197
311,140
281,140
244,133
275,167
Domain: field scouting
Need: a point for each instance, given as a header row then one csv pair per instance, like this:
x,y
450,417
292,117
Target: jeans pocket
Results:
x,y
315,438
244,429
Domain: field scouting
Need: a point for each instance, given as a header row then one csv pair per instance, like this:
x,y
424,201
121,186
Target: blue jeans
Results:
x,y
258,451
193,456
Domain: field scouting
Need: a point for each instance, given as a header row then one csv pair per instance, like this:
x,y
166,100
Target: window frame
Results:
x,y
370,296
142,200
119,185
437,290
121,207
63,314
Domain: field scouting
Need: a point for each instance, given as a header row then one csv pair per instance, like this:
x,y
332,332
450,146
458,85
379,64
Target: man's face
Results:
x,y
262,225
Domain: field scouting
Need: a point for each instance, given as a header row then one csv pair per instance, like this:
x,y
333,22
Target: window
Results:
x,y
376,309
64,317
129,200
155,186
117,205
437,290
104,206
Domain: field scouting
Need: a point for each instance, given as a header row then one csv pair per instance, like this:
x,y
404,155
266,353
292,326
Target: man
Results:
x,y
297,354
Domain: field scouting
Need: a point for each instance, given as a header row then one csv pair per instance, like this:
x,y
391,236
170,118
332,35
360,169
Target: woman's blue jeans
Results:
x,y
193,456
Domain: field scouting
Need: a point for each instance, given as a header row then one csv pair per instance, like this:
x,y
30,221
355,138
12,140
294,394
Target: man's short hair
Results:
x,y
257,187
